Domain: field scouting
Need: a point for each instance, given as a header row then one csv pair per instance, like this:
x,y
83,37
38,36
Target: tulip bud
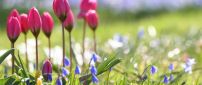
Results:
x,y
34,21
13,29
24,23
69,21
92,19
85,6
47,24
47,70
61,8
13,13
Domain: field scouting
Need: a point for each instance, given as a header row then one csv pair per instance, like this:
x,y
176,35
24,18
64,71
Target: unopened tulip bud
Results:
x,y
61,8
85,6
92,19
24,23
34,21
47,70
47,24
13,29
69,21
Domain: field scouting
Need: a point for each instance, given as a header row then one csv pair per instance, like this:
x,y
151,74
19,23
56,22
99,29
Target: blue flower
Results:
x,y
49,77
77,70
65,72
93,70
153,69
188,65
165,80
94,57
94,79
140,33
66,62
171,77
58,81
171,67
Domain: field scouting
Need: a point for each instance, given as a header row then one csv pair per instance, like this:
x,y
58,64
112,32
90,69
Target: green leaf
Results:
x,y
3,57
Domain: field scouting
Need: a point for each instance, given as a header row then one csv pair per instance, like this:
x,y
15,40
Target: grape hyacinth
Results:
x,y
94,79
58,81
77,70
171,67
153,69
165,80
65,72
66,62
93,70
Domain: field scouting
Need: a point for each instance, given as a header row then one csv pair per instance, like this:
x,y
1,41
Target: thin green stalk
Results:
x,y
36,53
70,52
63,45
26,54
95,45
49,45
13,55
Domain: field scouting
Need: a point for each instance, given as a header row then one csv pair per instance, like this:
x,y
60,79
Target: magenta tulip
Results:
x,y
47,24
24,23
13,13
69,21
34,21
85,6
13,29
47,70
92,19
61,8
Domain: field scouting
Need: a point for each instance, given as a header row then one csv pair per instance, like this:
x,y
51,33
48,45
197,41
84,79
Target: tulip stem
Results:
x,y
36,53
49,45
63,45
70,51
13,55
95,45
84,35
26,54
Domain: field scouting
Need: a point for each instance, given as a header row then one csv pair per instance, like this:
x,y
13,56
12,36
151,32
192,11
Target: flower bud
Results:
x,y
13,13
92,19
93,70
59,81
85,6
69,21
34,21
13,29
24,23
47,24
61,8
47,71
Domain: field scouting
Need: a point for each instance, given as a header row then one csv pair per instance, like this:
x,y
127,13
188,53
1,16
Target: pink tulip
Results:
x,y
24,23
92,19
61,8
34,21
69,21
13,13
47,70
47,23
13,29
85,6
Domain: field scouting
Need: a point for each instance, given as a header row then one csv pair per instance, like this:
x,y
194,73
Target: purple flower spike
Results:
x,y
66,62
77,70
58,81
171,67
65,72
165,80
94,79
94,57
153,69
93,70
